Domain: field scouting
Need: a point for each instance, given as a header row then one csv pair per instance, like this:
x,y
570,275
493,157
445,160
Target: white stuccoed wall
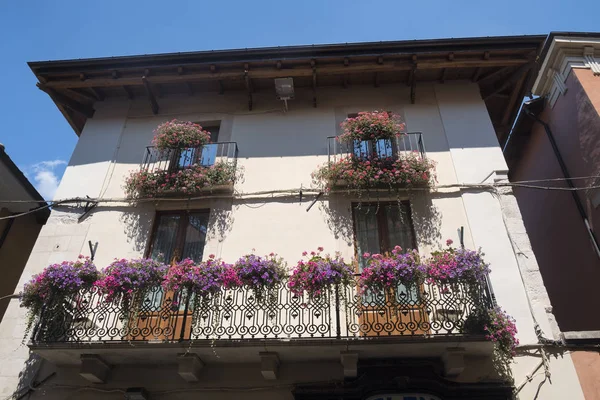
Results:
x,y
279,151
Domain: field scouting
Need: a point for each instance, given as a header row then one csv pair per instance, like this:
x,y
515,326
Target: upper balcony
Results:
x,y
419,321
185,171
410,143
393,163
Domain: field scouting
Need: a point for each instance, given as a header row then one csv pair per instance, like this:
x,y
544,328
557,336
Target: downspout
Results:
x,y
569,181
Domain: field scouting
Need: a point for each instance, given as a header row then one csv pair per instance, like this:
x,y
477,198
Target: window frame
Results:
x,y
382,226
180,237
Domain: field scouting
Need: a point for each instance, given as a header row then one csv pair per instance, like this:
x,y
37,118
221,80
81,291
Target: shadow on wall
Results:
x,y
426,217
137,224
35,373
221,219
338,215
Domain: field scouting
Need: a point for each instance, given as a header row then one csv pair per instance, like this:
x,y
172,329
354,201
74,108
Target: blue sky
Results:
x,y
40,141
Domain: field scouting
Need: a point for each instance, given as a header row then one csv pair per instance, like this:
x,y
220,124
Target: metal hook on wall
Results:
x,y
93,249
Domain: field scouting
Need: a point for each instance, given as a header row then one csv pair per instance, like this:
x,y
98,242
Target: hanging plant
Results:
x,y
384,273
203,279
404,171
370,126
262,275
124,280
179,134
53,285
319,274
497,326
452,266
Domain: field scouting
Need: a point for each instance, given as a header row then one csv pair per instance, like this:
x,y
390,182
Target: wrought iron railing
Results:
x,y
175,159
342,313
407,143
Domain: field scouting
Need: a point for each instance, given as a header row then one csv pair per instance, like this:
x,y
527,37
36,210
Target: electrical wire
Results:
x,y
294,192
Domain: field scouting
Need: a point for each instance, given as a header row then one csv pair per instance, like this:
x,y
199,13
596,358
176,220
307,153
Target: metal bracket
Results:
x,y
93,249
87,209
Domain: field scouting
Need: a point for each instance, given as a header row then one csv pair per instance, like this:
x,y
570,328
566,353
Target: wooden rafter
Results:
x,y
514,96
248,82
313,64
81,95
512,79
494,75
476,74
299,71
68,102
150,94
413,86
129,92
98,93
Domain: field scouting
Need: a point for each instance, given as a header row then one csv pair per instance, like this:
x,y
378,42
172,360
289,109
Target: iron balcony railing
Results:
x,y
175,159
407,143
234,314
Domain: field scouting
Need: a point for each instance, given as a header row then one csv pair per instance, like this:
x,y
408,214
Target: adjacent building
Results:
x,y
274,114
17,235
555,144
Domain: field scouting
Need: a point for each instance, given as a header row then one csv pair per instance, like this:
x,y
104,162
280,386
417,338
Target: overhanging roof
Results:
x,y
502,66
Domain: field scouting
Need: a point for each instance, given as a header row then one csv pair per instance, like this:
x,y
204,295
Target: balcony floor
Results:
x,y
242,351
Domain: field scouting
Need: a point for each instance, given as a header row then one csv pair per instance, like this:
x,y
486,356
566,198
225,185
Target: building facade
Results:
x,y
456,98
17,235
556,139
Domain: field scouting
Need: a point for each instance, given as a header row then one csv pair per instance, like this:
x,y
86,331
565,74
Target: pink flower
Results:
x,y
449,242
320,248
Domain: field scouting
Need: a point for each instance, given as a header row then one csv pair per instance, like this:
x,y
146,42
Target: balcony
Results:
x,y
419,321
399,162
409,143
185,171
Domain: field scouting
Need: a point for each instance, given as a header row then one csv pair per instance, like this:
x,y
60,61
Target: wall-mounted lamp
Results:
x,y
284,87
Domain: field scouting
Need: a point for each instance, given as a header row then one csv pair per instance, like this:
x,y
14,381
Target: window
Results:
x,y
382,226
209,152
178,235
368,148
205,156
378,228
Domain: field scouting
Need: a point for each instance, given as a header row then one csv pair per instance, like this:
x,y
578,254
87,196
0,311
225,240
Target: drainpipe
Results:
x,y
566,174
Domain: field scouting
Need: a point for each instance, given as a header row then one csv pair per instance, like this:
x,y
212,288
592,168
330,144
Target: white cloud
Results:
x,y
44,177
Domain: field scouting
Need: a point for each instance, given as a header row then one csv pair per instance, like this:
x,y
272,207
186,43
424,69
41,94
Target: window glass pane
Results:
x,y
398,225
195,236
367,231
400,234
209,151
165,237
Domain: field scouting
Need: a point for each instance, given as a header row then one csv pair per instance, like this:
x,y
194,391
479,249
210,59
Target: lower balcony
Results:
x,y
233,325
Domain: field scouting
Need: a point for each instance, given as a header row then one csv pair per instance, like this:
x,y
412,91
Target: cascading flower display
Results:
x,y
371,125
384,273
318,274
123,278
502,330
179,134
261,273
203,279
55,283
189,180
405,170
453,265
